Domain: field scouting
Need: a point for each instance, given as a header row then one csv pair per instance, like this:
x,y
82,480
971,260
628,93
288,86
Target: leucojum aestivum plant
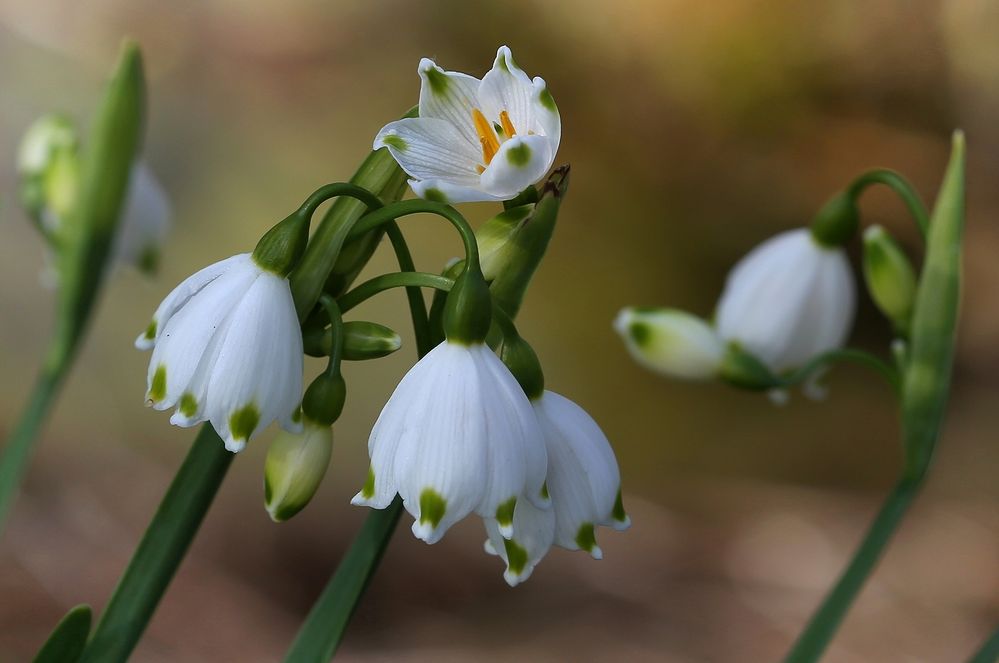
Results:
x,y
471,427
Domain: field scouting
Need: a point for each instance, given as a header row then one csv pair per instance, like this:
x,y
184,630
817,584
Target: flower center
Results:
x,y
487,134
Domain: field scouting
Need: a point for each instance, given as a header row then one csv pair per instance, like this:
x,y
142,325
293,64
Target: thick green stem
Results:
x,y
901,187
161,550
826,359
826,620
989,651
14,459
372,287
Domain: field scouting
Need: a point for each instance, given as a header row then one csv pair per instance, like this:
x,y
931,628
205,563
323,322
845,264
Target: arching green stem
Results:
x,y
417,306
392,212
900,186
378,284
336,327
826,359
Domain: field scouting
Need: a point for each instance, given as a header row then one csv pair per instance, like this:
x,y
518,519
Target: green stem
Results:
x,y
417,305
392,212
336,333
887,371
989,652
161,550
372,287
826,620
14,459
900,186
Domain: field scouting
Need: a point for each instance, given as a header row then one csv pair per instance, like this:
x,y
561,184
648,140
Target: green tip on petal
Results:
x,y
438,81
586,538
519,155
149,260
516,556
432,507
392,140
244,421
188,404
368,491
641,333
151,331
296,416
504,513
618,513
434,195
544,491
157,391
547,101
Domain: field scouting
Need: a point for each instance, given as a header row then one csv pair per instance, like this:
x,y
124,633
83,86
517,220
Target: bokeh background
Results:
x,y
695,130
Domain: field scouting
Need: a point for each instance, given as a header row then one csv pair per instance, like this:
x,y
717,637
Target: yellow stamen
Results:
x,y
488,138
507,125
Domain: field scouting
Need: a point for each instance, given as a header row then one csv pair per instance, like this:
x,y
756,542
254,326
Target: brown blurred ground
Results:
x,y
695,130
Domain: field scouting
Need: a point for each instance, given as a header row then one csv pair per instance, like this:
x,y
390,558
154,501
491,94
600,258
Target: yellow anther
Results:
x,y
508,129
487,136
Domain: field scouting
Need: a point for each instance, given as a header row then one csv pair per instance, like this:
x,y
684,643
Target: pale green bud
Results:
x,y
45,137
890,277
295,466
671,342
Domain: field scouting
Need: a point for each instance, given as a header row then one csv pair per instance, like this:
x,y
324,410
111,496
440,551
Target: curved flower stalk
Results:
x,y
583,482
227,348
457,436
476,140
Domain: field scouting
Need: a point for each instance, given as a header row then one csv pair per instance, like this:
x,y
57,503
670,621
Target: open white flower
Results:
x,y
145,220
457,436
476,140
788,300
584,484
227,348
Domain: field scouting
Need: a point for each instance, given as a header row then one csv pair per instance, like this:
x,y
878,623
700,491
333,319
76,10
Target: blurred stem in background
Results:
x,y
925,390
82,256
989,651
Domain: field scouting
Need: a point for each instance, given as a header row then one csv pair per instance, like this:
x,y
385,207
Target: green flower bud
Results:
x,y
671,342
48,161
837,222
324,399
890,277
522,361
295,466
361,340
45,137
468,311
281,247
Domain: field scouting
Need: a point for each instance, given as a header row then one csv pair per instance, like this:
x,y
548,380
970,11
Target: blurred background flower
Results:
x,y
695,130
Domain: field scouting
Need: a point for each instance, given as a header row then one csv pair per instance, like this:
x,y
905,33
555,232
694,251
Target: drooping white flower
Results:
x,y
583,482
457,436
227,348
671,342
788,300
145,220
476,140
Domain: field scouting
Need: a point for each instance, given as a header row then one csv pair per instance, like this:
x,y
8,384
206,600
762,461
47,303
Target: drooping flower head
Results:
x,y
457,436
227,348
790,299
476,140
583,483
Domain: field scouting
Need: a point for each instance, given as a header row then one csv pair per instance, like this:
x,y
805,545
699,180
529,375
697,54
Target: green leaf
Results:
x,y
68,638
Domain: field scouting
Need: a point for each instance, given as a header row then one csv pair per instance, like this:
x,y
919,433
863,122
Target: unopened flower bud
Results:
x,y
295,466
324,399
671,342
890,277
837,221
361,340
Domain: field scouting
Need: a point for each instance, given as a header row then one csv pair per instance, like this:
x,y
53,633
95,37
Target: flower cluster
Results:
x,y
462,433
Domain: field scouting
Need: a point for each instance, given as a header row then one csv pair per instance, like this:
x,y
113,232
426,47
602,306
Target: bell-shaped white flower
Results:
x,y
671,342
227,348
457,436
476,139
145,221
788,300
584,484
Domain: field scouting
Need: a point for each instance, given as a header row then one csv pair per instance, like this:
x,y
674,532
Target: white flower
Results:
x,y
788,300
671,342
227,348
144,222
584,484
476,140
457,436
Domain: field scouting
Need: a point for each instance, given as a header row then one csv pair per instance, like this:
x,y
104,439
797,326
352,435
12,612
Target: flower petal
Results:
x,y
442,191
533,533
507,88
180,295
449,96
546,112
519,163
428,148
145,218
